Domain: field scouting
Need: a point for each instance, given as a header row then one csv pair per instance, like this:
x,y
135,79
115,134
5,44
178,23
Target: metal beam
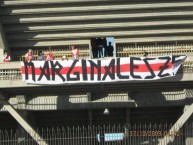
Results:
x,y
22,121
176,127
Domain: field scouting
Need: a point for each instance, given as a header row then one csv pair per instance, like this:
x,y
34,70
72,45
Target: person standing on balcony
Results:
x,y
100,48
41,56
74,52
50,56
64,57
109,50
29,56
6,57
94,48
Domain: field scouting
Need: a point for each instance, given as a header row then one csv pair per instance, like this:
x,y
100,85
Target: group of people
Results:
x,y
101,49
50,56
42,57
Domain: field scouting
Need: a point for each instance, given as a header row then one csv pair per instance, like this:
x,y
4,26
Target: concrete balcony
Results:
x,y
10,75
101,100
174,91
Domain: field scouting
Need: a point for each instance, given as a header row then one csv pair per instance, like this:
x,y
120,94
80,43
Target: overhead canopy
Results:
x,y
106,87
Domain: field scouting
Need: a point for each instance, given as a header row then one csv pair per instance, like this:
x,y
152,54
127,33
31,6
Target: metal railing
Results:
x,y
121,51
84,53
128,134
10,74
126,51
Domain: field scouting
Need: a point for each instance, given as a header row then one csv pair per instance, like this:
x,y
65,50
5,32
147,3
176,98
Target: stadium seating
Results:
x,y
40,24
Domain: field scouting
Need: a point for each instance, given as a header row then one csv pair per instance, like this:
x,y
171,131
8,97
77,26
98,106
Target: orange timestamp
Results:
x,y
154,133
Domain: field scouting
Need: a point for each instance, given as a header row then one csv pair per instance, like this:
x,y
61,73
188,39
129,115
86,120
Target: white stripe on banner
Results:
x,y
93,71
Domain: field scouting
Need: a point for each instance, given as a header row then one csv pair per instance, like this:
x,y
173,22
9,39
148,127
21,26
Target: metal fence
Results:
x,y
160,50
137,134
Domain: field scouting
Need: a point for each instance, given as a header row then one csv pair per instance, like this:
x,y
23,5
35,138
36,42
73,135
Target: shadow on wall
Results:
x,y
6,99
157,98
63,100
147,98
66,101
98,96
1,106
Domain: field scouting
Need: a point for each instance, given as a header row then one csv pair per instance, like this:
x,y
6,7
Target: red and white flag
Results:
x,y
107,70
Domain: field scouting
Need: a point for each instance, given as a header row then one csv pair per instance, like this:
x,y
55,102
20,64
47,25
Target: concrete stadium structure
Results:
x,y
160,27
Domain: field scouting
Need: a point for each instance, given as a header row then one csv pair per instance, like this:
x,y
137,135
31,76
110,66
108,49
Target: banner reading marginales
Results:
x,y
94,71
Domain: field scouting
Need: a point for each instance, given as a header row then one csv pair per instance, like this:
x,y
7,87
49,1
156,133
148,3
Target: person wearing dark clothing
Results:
x,y
100,48
94,48
104,47
41,56
110,50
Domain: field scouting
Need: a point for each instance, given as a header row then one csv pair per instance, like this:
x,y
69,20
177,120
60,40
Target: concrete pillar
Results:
x,y
127,120
189,131
189,138
89,99
90,117
22,136
127,125
3,43
22,110
177,126
127,115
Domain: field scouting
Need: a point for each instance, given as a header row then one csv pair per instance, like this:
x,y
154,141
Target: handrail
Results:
x,y
153,51
155,39
121,51
48,43
83,53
